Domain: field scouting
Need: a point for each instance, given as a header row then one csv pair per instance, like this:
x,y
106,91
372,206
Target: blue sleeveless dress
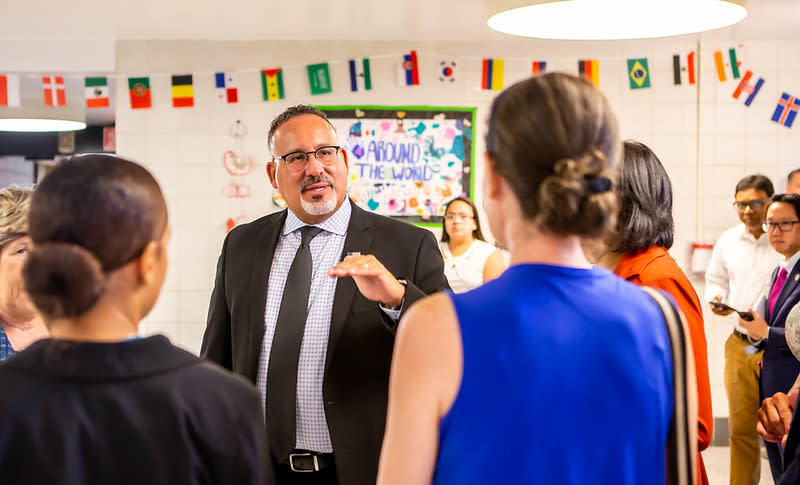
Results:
x,y
567,381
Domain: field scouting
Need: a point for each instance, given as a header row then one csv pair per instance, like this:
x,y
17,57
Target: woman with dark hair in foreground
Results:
x,y
96,403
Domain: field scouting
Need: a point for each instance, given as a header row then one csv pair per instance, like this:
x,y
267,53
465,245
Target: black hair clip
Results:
x,y
599,184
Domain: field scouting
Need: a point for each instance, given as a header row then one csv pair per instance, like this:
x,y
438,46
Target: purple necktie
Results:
x,y
776,289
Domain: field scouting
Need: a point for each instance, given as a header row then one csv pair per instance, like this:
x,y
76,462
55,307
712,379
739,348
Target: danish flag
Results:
x,y
54,93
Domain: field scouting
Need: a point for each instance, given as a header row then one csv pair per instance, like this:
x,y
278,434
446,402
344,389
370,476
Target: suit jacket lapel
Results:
x,y
358,239
788,289
262,255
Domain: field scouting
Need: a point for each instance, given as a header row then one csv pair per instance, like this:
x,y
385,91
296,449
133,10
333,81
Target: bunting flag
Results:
x,y
538,67
638,74
139,88
96,92
745,87
9,90
588,69
319,78
54,93
272,84
182,91
786,110
360,78
493,70
409,70
731,64
447,71
225,83
681,66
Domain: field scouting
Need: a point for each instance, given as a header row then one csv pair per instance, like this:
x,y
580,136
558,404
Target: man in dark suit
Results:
x,y
309,315
779,365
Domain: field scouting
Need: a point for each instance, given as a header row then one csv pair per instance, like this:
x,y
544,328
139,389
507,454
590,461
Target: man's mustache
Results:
x,y
322,178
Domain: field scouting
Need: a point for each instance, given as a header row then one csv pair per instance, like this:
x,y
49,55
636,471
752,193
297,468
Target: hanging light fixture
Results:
x,y
612,19
32,115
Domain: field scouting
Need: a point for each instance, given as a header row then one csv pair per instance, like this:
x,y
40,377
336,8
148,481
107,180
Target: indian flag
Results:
x,y
96,92
272,84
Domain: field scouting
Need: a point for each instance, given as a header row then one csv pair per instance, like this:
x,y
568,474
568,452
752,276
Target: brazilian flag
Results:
x,y
638,73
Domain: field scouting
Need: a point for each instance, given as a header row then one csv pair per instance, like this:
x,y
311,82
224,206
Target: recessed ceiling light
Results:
x,y
39,125
613,19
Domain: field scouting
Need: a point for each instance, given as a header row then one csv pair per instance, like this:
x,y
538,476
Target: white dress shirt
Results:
x,y
740,270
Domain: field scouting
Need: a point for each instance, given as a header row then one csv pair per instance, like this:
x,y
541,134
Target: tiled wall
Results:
x,y
184,147
16,170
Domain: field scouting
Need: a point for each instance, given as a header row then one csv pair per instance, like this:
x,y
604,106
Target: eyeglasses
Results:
x,y
756,204
297,160
452,217
784,226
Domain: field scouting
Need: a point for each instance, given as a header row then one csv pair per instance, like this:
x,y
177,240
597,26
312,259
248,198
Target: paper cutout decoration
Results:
x,y
683,69
725,63
538,67
225,83
447,71
319,78
409,70
96,92
638,73
786,110
745,87
360,75
139,89
54,93
493,71
589,69
9,90
272,84
182,91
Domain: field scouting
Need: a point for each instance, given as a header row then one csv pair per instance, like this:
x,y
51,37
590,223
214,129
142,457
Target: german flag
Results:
x,y
182,91
587,68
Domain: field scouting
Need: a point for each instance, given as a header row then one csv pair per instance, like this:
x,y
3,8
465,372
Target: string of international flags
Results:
x,y
684,67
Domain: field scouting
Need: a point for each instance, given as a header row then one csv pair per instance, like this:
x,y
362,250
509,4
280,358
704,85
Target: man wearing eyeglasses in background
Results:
x,y
306,304
779,365
738,274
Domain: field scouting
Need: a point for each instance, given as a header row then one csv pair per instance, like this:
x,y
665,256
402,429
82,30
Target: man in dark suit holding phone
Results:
x,y
779,365
306,303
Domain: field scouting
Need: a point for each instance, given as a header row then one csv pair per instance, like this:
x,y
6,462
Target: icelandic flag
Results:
x,y
360,79
227,92
786,110
745,87
409,70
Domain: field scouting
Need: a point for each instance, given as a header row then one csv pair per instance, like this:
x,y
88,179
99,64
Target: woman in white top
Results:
x,y
469,261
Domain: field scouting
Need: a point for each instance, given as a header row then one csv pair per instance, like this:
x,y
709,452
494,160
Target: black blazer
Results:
x,y
780,365
791,454
361,339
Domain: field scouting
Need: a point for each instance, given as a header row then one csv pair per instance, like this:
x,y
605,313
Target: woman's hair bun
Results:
x,y
577,198
63,280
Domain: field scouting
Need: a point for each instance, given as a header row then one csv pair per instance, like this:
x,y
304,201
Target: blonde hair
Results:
x,y
15,203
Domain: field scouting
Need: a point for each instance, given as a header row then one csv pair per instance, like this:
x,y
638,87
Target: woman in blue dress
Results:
x,y
557,372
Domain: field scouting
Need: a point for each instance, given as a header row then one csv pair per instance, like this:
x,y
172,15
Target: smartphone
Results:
x,y
722,306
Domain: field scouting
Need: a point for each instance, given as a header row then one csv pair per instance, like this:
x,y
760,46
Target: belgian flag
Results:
x,y
182,91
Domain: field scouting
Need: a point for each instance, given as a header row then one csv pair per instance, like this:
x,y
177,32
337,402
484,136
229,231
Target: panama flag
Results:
x,y
538,67
745,87
54,93
409,70
9,90
96,92
786,110
492,75
360,79
727,64
683,69
225,83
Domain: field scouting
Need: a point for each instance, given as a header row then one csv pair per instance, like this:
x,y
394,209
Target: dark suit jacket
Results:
x,y
135,412
361,339
780,365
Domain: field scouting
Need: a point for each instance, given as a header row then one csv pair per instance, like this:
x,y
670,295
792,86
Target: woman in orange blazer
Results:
x,y
638,253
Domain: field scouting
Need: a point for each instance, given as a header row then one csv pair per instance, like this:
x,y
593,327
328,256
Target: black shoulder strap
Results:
x,y
681,449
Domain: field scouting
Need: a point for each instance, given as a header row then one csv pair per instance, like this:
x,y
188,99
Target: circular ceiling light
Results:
x,y
39,125
613,19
